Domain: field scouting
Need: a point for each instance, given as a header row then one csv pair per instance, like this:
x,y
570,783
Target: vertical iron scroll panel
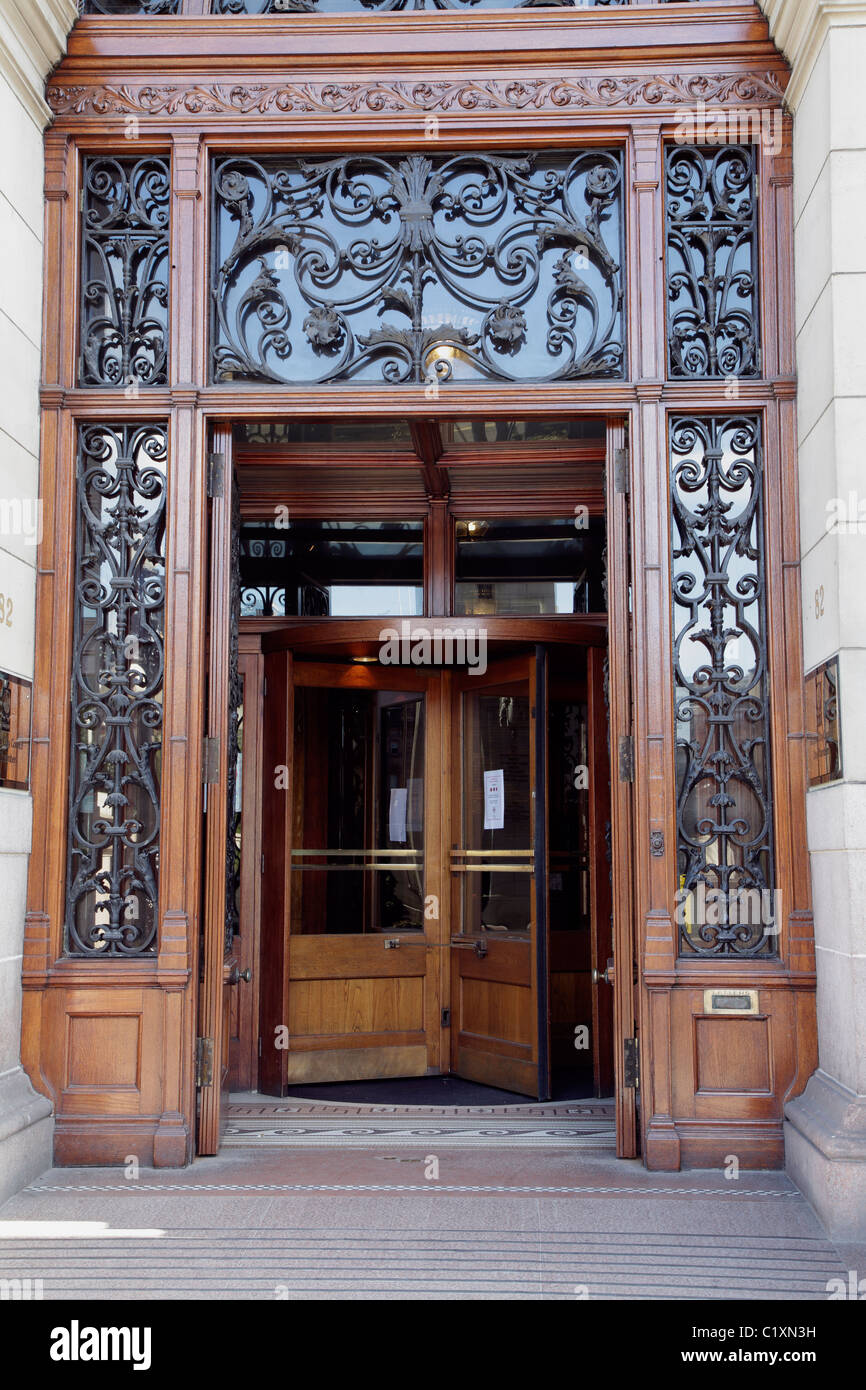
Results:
x,y
117,691
724,809
418,268
124,269
711,237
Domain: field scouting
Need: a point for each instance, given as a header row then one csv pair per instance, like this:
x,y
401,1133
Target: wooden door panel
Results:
x,y
277,723
499,978
326,1008
362,1003
496,1013
219,973
349,957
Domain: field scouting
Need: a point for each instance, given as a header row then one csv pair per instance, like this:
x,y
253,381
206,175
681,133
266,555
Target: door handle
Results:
x,y
236,975
479,947
606,975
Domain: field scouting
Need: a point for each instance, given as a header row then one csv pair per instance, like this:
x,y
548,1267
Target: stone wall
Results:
x,y
826,46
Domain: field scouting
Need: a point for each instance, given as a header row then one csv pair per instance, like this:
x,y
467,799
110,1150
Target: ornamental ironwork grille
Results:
x,y
725,902
287,7
117,690
711,237
417,269
118,7
383,6
124,270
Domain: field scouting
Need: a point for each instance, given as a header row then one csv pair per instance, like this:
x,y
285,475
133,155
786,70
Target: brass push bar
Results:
x,y
490,861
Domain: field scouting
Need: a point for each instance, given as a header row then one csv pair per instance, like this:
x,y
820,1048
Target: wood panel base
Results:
x,y
506,1073
110,1060
357,1063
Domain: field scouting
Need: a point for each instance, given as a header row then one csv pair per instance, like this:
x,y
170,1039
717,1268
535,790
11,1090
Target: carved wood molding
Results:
x,y
336,98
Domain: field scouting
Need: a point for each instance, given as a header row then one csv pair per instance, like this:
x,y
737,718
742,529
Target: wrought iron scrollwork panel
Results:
x,y
124,297
383,6
711,208
117,690
726,905
417,269
118,7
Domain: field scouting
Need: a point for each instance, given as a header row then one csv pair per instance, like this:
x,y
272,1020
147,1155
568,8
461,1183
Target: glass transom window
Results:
x,y
338,569
535,566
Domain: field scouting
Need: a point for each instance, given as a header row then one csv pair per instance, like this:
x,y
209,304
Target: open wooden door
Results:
x,y
624,974
350,985
499,976
600,876
219,967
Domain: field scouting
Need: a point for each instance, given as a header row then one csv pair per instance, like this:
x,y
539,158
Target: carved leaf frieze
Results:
x,y
495,94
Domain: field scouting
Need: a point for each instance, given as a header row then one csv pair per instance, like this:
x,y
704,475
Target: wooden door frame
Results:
x,y
279,639
219,967
278,636
485,89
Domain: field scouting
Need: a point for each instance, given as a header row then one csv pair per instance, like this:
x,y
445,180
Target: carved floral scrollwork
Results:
x,y
414,268
339,97
117,689
721,707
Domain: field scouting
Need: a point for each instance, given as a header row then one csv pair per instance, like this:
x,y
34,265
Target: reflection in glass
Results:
x,y
522,431
548,565
496,733
353,432
332,568
358,852
568,815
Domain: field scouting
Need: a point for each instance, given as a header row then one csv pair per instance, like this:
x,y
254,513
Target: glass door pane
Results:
x,y
358,843
497,810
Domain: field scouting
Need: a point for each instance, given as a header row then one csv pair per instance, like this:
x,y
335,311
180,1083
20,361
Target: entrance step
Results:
x,y
258,1121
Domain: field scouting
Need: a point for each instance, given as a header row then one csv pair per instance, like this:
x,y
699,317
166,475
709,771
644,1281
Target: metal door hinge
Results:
x,y
210,760
204,1061
216,472
446,1018
620,471
626,758
631,1064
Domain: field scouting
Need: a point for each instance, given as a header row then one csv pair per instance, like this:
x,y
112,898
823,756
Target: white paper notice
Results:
x,y
397,814
494,800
